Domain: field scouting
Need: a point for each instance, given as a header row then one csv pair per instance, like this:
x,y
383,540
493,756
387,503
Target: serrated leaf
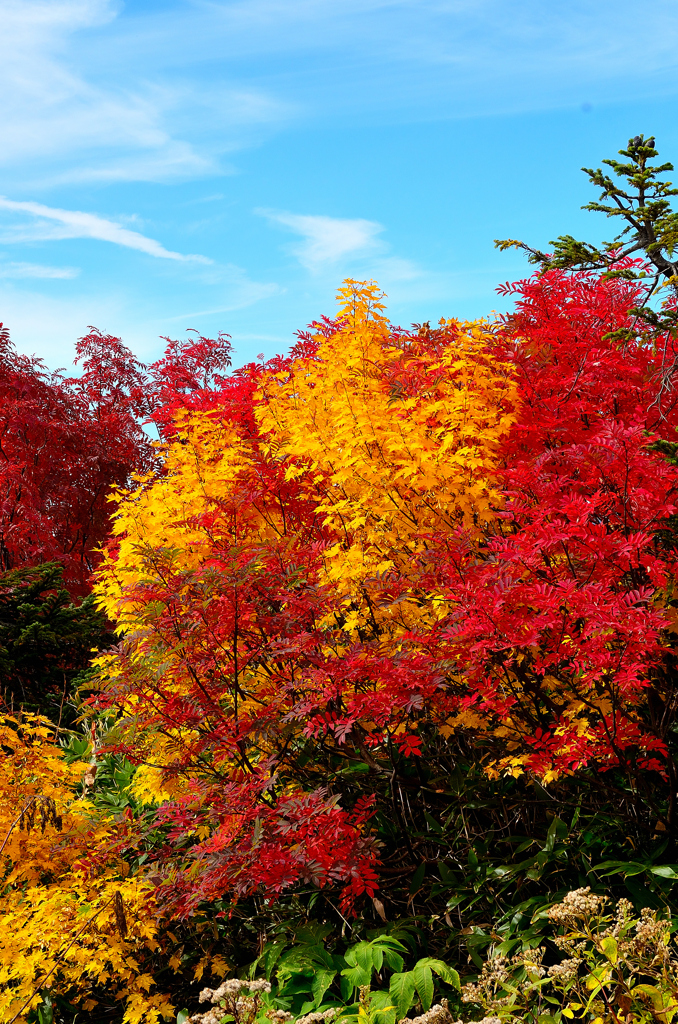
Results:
x,y
401,991
364,958
321,982
377,955
346,988
447,974
357,976
393,959
271,956
423,982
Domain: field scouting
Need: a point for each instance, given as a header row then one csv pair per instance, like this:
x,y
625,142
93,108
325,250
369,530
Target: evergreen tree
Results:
x,y
650,225
46,641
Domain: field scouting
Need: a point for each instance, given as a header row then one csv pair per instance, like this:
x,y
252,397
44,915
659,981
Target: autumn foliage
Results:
x,y
64,442
334,566
448,529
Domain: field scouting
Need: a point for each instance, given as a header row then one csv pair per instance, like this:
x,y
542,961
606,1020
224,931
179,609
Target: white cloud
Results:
x,y
327,240
240,292
430,58
76,224
74,110
104,91
25,270
49,324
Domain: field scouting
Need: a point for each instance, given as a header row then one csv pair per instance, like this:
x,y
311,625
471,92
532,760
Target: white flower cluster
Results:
x,y
566,970
493,974
623,912
649,930
238,998
578,904
232,987
438,1014
212,1016
315,1018
531,960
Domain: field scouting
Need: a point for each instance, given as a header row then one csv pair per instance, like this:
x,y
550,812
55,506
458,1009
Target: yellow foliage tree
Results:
x,y
72,919
402,434
266,550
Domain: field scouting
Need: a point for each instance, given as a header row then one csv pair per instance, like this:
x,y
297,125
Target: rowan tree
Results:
x,y
265,582
64,442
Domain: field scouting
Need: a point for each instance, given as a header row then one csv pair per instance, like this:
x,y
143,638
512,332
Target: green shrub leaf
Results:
x,y
401,991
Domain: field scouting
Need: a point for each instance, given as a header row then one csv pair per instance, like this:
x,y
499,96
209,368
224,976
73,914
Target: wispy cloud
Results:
x,y
145,94
432,58
76,111
238,289
327,240
37,270
76,224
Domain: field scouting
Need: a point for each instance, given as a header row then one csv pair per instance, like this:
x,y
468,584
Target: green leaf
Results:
x,y
377,955
183,1016
401,991
382,1007
448,974
346,987
609,948
557,829
653,992
423,982
393,959
418,878
270,957
321,982
357,976
613,867
390,940
446,875
664,871
364,958
381,1001
305,957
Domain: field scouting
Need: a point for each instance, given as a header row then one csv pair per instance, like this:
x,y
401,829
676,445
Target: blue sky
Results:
x,y
224,164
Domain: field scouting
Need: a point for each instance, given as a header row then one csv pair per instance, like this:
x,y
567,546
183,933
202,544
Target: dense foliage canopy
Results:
x,y
384,660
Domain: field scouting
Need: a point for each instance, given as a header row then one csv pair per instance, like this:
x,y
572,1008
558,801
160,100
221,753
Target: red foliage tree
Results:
x,y
561,624
541,625
66,442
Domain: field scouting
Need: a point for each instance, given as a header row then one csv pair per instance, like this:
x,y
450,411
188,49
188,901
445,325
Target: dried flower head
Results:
x,y
315,1018
438,1014
566,970
577,905
239,999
